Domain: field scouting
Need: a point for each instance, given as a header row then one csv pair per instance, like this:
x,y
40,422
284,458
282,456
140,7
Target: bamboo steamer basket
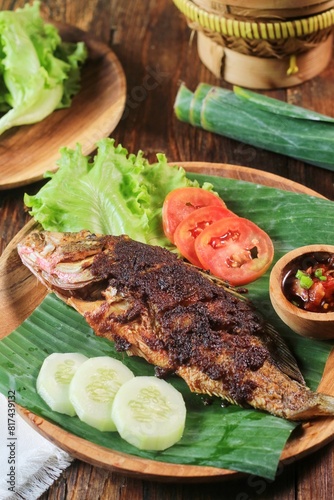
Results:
x,y
265,44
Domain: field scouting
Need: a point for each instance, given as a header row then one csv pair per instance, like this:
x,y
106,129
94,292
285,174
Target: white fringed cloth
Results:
x,y
29,463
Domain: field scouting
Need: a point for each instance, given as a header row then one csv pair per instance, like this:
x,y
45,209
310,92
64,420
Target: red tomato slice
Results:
x,y
181,202
187,231
235,249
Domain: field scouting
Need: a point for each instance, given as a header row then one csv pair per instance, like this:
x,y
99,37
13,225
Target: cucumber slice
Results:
x,y
53,380
149,413
93,389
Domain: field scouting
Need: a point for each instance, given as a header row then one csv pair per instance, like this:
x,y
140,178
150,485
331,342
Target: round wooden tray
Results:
x,y
28,151
20,294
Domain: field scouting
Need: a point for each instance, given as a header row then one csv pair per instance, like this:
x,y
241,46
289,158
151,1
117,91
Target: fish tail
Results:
x,y
319,405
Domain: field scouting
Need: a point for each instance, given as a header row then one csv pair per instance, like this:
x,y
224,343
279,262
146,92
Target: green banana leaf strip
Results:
x,y
280,107
184,103
227,437
195,110
260,122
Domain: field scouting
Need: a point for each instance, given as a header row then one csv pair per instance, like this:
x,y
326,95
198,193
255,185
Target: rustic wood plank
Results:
x,y
154,46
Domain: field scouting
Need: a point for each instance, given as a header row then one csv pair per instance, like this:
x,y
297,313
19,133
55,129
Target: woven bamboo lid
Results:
x,y
270,4
285,44
280,6
266,10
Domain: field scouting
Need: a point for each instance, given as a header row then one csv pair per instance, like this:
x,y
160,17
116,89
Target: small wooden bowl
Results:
x,y
309,324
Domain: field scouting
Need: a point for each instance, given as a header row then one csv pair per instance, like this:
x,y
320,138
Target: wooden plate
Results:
x,y
20,294
28,151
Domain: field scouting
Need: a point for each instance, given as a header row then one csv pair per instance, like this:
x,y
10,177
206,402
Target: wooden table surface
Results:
x,y
152,42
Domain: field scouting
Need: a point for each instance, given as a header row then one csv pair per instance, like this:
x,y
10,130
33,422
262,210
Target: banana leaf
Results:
x,y
260,121
228,437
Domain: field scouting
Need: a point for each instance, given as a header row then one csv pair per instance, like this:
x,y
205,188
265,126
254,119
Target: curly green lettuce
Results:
x,y
113,193
38,71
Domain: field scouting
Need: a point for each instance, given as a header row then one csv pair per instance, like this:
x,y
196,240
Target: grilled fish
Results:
x,y
152,304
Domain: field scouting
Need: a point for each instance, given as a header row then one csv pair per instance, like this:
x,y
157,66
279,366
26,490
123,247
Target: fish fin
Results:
x,y
282,355
84,307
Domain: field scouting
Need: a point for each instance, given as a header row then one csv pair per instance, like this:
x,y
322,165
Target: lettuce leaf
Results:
x,y
38,72
113,193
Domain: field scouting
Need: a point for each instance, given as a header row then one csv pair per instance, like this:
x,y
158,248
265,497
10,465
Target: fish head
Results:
x,y
61,260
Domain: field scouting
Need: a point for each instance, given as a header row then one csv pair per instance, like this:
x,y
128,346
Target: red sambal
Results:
x,y
309,282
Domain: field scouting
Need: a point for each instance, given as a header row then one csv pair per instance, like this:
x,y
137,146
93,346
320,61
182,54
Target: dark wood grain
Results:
x,y
154,46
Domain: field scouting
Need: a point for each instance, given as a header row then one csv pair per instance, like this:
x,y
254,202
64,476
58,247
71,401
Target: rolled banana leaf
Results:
x,y
260,121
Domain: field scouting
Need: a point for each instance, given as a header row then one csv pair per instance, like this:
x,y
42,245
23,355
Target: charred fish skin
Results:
x,y
152,304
